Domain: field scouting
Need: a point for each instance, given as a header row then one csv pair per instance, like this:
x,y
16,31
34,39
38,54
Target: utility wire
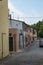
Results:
x,y
29,17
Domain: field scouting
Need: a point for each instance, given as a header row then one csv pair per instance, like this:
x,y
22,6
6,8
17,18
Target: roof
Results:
x,y
26,24
20,21
16,20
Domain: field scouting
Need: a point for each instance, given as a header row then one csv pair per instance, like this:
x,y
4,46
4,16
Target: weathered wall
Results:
x,y
4,45
15,35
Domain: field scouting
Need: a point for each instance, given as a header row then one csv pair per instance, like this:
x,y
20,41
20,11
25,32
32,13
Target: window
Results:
x,y
17,25
10,34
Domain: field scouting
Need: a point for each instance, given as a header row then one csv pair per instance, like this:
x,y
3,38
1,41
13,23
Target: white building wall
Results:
x,y
15,24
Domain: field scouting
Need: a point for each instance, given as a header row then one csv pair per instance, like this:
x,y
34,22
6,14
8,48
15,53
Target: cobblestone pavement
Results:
x,y
32,55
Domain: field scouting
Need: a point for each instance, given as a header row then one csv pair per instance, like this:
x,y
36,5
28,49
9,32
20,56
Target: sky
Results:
x,y
30,11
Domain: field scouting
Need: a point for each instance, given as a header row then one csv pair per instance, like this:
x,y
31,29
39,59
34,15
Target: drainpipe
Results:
x,y
2,44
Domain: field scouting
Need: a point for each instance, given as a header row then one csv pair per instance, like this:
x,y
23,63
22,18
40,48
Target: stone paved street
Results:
x,y
32,55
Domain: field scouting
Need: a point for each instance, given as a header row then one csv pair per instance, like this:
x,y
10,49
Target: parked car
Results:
x,y
41,42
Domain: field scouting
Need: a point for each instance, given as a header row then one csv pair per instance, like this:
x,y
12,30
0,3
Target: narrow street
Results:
x,y
32,55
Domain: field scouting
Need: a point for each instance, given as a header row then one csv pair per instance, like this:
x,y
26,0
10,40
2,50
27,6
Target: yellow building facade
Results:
x,y
4,43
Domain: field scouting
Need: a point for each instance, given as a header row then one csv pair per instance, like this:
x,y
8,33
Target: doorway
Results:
x,y
10,43
21,44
